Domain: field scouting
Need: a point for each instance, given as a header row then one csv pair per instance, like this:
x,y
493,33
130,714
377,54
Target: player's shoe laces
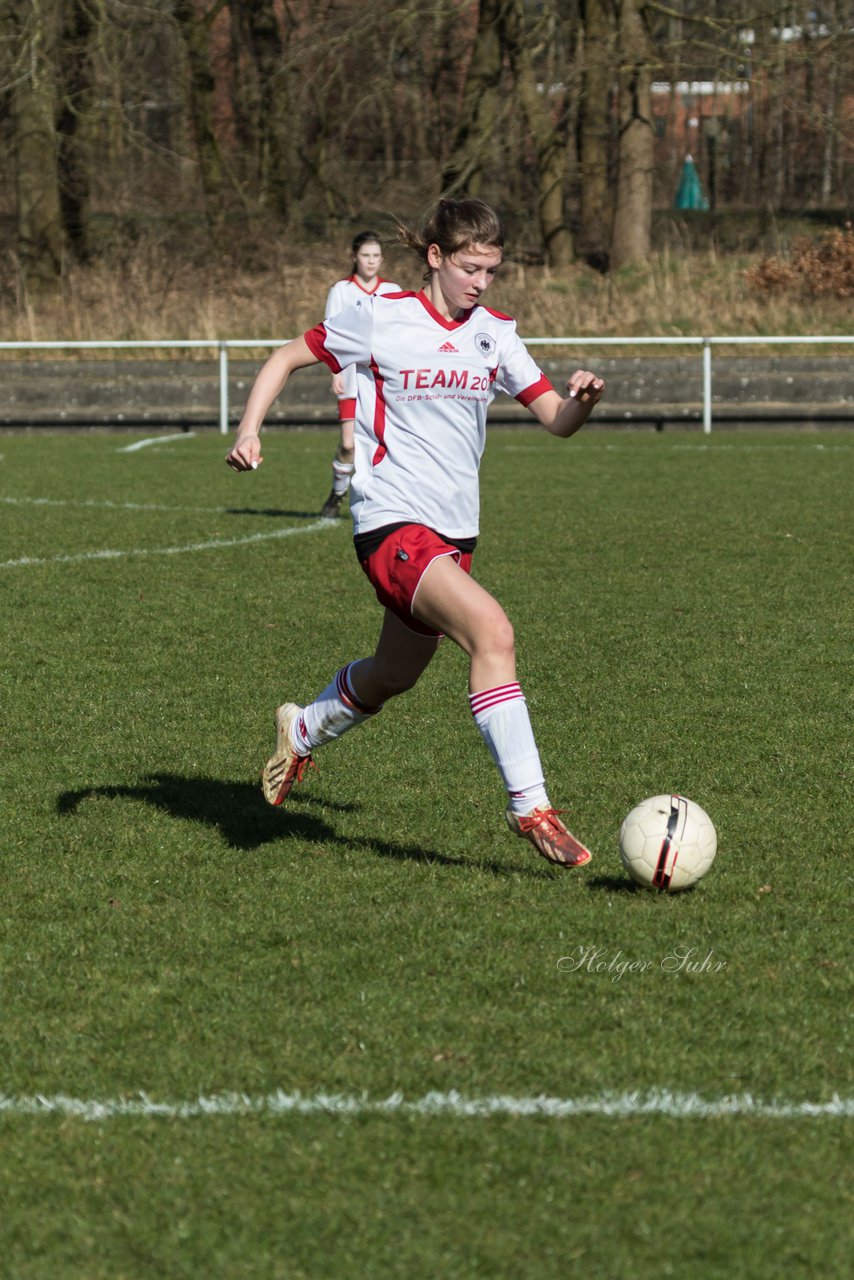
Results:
x,y
284,767
332,506
549,837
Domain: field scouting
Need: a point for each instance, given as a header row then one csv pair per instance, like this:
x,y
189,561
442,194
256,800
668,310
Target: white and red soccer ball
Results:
x,y
667,843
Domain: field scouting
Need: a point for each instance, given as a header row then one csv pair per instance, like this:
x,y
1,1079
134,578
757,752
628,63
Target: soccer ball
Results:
x,y
667,843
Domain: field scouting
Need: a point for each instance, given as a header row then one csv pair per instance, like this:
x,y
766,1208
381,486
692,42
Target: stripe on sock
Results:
x,y
489,698
299,737
347,696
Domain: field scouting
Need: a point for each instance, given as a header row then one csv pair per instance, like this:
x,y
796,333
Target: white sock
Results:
x,y
332,713
342,473
501,714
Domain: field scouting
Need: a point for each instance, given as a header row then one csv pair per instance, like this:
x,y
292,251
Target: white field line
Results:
x,y
106,504
215,544
679,1106
143,444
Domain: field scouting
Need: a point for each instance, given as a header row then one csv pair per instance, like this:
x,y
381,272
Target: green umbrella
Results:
x,y
690,193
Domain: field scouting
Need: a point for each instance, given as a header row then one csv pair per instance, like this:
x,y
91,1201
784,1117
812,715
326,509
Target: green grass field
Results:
x,y
222,1024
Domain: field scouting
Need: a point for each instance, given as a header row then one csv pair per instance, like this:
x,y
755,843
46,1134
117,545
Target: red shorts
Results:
x,y
397,566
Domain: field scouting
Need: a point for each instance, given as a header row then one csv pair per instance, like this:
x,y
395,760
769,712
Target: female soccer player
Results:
x,y
429,363
364,279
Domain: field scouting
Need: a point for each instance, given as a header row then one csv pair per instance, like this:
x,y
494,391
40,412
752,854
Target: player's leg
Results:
x,y
343,464
355,694
452,602
398,662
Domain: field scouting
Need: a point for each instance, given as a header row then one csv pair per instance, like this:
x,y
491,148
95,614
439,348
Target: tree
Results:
x,y
631,238
316,113
547,133
479,108
271,117
79,22
195,30
30,27
594,130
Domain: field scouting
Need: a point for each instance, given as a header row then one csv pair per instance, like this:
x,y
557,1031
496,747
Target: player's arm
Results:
x,y
564,416
245,453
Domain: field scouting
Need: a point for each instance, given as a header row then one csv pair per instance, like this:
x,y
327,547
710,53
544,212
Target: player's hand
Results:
x,y
585,386
337,385
245,453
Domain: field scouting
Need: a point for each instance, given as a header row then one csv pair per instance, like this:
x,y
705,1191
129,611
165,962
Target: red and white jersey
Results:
x,y
425,384
345,292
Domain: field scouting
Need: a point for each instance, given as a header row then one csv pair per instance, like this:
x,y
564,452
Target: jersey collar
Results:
x,y
446,324
354,279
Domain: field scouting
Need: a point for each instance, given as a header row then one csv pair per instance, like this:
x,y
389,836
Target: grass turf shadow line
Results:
x,y
623,884
236,810
274,512
613,884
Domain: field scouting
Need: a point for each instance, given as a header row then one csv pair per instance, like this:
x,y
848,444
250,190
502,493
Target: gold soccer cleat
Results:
x,y
284,767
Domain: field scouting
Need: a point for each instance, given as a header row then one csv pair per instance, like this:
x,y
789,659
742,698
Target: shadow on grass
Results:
x,y
613,884
275,512
622,884
238,812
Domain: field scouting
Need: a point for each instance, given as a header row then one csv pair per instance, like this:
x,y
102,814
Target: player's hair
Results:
x,y
454,225
364,237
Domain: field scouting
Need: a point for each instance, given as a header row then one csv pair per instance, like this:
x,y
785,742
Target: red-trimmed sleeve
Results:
x,y
532,393
316,340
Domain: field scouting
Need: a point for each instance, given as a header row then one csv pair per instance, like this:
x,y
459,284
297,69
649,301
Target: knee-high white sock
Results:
x,y
332,713
501,714
342,474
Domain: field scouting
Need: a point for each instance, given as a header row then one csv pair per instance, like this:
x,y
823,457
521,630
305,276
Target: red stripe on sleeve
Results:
x,y
539,388
316,342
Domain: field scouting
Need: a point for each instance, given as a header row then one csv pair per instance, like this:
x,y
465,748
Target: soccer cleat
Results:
x,y
331,508
549,837
284,767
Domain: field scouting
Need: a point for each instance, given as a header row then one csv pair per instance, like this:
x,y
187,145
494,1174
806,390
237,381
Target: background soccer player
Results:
x,y
364,279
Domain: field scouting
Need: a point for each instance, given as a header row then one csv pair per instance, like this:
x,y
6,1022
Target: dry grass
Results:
x,y
147,292
812,268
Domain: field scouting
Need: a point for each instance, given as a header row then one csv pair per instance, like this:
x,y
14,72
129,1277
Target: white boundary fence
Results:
x,y
223,345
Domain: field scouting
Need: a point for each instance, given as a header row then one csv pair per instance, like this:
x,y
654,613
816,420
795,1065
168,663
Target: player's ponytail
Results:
x,y
454,225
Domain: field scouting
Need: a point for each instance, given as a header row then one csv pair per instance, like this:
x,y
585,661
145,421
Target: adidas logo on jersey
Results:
x,y
449,346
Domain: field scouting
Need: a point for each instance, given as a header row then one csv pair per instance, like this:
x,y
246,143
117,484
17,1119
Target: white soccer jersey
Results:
x,y
425,384
343,294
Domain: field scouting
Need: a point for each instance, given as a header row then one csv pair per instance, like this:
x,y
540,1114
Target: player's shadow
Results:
x,y
234,809
276,513
245,822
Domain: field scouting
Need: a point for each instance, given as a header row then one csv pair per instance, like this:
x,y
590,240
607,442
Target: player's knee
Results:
x,y
344,455
505,639
497,638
